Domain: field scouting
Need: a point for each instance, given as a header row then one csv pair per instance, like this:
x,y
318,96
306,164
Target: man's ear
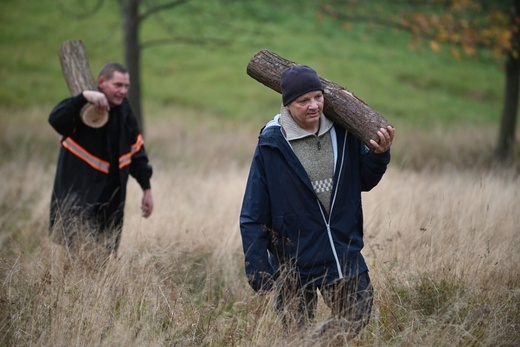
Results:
x,y
100,80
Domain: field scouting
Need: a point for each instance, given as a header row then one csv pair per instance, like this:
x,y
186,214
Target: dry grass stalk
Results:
x,y
442,247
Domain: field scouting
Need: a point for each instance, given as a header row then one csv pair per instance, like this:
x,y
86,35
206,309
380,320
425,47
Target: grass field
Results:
x,y
441,228
442,247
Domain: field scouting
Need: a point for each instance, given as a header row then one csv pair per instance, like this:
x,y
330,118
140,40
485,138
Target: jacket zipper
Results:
x,y
327,222
331,241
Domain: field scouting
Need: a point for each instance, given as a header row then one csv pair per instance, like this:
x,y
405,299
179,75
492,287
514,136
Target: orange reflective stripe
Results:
x,y
84,155
126,159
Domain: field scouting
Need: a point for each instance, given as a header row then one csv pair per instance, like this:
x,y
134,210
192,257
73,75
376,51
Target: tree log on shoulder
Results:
x,y
75,67
77,74
341,106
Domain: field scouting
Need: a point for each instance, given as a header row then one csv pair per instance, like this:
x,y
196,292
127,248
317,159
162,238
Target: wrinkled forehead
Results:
x,y
118,78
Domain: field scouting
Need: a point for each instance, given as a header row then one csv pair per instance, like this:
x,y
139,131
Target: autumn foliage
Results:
x,y
464,25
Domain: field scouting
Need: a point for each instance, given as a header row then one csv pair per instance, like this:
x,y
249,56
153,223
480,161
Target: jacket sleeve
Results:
x,y
255,222
65,116
373,167
140,167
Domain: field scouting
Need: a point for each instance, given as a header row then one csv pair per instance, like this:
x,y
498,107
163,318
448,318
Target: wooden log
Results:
x,y
77,74
75,67
341,106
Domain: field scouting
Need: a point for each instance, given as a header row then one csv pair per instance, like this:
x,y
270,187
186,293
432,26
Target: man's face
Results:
x,y
115,88
306,110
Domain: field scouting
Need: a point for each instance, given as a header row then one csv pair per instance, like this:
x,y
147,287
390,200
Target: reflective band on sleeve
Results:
x,y
84,155
126,159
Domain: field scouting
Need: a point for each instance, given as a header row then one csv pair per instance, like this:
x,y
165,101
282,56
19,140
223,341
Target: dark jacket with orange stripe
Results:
x,y
94,163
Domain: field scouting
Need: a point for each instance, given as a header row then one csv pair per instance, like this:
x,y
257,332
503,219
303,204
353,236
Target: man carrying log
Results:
x,y
96,158
301,220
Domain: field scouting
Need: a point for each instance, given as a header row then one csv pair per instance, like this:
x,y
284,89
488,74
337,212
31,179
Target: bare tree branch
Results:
x,y
161,7
388,22
182,40
80,14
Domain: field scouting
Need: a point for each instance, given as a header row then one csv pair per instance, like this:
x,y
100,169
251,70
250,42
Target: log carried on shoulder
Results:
x,y
77,74
341,106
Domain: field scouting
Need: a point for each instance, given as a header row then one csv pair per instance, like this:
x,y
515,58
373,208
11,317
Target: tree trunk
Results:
x,y
506,136
131,19
75,67
341,106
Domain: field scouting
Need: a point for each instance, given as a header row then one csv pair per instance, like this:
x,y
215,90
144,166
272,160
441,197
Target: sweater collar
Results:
x,y
293,131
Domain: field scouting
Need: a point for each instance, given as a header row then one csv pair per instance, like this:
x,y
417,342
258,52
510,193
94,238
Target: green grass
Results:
x,y
409,87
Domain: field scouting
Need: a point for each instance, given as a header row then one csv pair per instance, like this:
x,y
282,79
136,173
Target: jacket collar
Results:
x,y
273,135
293,131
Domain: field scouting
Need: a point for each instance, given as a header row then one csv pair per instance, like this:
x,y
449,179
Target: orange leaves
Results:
x,y
462,5
468,26
469,50
434,46
347,26
504,39
455,53
465,25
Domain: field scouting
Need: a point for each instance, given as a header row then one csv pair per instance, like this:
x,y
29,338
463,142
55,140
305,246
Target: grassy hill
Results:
x,y
413,87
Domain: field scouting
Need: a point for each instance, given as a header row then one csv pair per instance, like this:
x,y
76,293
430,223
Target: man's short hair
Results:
x,y
108,70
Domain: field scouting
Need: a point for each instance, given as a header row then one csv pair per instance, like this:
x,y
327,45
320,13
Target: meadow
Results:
x,y
441,229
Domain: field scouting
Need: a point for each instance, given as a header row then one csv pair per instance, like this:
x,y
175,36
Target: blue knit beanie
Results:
x,y
298,80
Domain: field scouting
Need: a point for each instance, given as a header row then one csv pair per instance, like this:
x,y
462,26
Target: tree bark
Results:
x,y
131,24
75,67
506,135
341,106
77,74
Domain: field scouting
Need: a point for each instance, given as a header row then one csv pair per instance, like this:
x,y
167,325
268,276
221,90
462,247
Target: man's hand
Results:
x,y
386,137
147,203
98,99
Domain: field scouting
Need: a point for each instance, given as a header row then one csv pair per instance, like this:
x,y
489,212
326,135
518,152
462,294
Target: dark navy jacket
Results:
x,y
283,222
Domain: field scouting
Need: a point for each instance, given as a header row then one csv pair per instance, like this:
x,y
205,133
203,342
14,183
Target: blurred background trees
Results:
x,y
466,26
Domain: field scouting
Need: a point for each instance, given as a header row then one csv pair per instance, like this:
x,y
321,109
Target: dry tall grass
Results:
x,y
443,249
